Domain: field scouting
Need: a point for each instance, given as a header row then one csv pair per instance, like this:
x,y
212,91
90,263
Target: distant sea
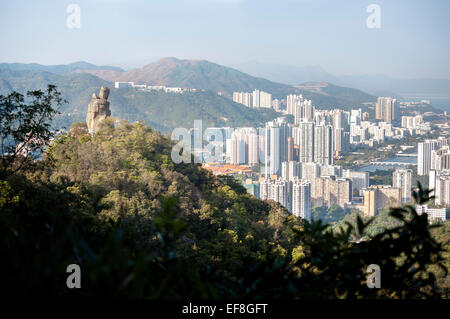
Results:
x,y
443,104
440,102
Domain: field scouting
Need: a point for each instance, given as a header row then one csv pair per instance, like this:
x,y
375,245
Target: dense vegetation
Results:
x,y
329,215
385,221
141,226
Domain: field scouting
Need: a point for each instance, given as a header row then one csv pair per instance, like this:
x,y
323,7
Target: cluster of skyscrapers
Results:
x,y
434,161
379,197
299,107
255,99
387,109
294,195
297,159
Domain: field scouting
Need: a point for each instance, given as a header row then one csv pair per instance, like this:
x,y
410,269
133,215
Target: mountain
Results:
x,y
287,73
435,90
57,69
334,96
77,89
198,74
163,111
201,74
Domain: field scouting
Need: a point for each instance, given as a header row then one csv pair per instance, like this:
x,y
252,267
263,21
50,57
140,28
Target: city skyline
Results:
x,y
225,150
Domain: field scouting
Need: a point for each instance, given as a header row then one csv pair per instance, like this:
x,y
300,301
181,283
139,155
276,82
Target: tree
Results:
x,y
25,126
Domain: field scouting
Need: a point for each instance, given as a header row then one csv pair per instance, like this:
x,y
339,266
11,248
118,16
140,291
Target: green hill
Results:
x,y
202,74
79,80
163,111
332,96
199,74
140,226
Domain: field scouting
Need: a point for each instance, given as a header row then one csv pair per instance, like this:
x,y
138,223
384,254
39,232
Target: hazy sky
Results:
x,y
413,41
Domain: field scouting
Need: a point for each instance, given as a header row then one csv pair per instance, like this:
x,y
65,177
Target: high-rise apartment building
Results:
x,y
329,191
256,102
440,158
343,192
291,170
310,171
360,180
253,149
290,149
323,144
276,145
424,157
387,109
243,146
442,188
341,140
301,199
291,101
276,190
380,197
265,99
328,170
402,178
306,141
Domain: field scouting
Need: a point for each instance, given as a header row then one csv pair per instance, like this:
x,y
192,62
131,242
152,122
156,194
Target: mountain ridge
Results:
x,y
59,68
203,74
163,111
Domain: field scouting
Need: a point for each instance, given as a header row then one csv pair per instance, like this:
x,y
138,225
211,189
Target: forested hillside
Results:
x,y
139,225
163,111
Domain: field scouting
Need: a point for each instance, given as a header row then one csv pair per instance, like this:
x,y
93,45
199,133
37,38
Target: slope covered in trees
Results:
x,y
163,111
139,225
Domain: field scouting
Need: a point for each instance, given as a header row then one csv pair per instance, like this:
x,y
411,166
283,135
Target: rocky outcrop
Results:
x,y
98,109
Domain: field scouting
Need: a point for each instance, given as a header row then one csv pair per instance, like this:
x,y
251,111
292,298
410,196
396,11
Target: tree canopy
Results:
x,y
141,226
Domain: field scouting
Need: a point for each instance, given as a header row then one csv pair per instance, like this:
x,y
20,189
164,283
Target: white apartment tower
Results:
x,y
306,141
291,170
323,144
301,199
256,102
402,178
276,145
424,157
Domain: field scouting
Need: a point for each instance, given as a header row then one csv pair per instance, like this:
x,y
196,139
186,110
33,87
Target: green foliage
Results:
x,y
25,126
381,177
329,215
335,267
141,226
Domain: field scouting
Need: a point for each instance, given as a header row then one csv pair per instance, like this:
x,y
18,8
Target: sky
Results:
x,y
413,40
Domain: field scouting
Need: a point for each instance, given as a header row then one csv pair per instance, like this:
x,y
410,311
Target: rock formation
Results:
x,y
98,109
